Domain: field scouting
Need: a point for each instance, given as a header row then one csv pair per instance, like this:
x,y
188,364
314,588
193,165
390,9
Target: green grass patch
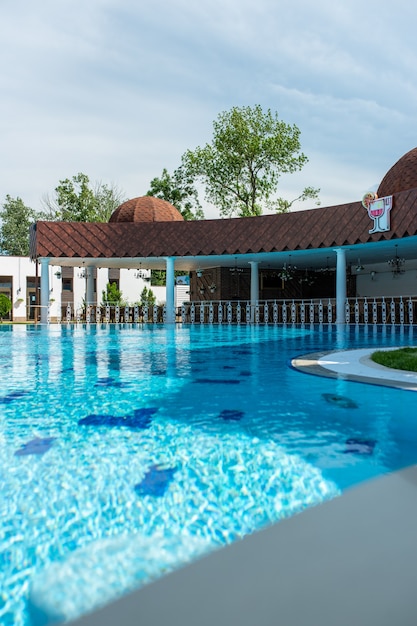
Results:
x,y
401,359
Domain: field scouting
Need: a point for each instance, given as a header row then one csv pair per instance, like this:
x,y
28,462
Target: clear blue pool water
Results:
x,y
126,451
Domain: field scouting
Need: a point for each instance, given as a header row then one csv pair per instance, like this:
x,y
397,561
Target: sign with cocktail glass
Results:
x,y
378,210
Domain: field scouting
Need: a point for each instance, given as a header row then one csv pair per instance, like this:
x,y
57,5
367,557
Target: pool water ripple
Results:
x,y
124,446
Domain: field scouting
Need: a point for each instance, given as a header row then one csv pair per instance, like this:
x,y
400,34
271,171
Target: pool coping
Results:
x,y
354,365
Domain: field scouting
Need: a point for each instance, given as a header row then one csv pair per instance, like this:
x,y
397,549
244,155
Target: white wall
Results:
x,y
131,285
383,283
19,268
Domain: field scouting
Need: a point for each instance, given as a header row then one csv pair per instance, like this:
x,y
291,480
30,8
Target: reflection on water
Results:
x,y
204,433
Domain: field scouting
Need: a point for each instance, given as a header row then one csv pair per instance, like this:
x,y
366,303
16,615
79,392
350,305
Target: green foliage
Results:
x,y
107,201
147,297
5,306
16,219
242,166
180,191
279,205
112,295
76,201
401,359
158,277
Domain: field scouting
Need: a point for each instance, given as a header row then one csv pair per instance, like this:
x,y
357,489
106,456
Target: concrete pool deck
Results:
x,y
355,365
351,560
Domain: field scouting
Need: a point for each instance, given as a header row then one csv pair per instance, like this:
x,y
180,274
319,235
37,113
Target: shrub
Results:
x,y
5,306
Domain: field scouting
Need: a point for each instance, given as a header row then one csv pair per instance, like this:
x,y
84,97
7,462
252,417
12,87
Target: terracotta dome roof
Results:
x,y
146,209
401,177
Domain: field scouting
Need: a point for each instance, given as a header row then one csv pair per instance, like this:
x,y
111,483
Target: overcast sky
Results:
x,y
120,89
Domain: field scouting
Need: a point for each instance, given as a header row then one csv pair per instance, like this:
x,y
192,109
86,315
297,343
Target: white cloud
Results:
x,y
119,89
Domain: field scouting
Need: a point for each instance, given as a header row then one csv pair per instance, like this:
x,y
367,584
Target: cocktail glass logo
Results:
x,y
378,210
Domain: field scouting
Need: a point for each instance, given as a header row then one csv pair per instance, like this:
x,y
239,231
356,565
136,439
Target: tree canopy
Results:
x,y
75,200
16,219
241,167
179,190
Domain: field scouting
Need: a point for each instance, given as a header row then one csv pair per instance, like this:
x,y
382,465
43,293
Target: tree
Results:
x,y
112,295
107,200
76,201
180,191
5,306
16,219
147,297
242,166
159,277
283,206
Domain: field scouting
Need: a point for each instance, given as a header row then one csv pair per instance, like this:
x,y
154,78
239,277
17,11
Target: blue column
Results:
x,y
170,290
254,287
44,290
340,285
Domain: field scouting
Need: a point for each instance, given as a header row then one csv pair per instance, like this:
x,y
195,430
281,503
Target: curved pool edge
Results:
x,y
354,365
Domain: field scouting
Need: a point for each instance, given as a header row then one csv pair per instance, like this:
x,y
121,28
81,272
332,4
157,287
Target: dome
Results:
x,y
146,209
401,177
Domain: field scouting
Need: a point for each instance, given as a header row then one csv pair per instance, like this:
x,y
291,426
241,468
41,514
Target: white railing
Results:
x,y
384,310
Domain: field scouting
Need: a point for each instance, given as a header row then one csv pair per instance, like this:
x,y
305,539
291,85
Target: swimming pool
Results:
x,y
128,450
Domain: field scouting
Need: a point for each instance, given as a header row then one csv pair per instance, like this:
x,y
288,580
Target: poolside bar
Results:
x,y
352,257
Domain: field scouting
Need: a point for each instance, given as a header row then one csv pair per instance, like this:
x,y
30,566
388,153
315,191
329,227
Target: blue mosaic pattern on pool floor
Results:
x,y
360,446
35,446
12,396
156,481
132,450
140,419
340,401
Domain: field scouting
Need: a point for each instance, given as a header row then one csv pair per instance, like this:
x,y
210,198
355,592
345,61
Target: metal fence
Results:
x,y
401,310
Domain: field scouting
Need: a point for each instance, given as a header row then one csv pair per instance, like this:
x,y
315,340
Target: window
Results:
x,y
67,284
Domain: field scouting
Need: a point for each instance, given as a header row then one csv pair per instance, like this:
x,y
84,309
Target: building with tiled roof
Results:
x,y
246,258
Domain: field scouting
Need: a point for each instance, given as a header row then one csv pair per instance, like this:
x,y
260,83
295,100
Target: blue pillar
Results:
x,y
340,285
170,290
44,290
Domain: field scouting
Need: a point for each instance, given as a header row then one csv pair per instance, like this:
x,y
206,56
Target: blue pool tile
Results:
x,y
13,395
217,381
231,415
360,446
108,382
102,420
340,401
37,445
141,419
156,481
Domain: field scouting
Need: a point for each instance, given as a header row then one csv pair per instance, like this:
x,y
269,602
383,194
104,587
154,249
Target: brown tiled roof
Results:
x,y
146,209
340,225
401,177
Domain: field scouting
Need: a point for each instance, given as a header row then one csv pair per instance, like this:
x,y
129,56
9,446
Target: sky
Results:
x,y
120,89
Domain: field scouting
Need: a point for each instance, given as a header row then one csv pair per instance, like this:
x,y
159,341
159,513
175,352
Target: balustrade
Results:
x,y
384,310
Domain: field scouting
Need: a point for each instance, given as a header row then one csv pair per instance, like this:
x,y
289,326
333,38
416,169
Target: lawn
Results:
x,y
401,359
